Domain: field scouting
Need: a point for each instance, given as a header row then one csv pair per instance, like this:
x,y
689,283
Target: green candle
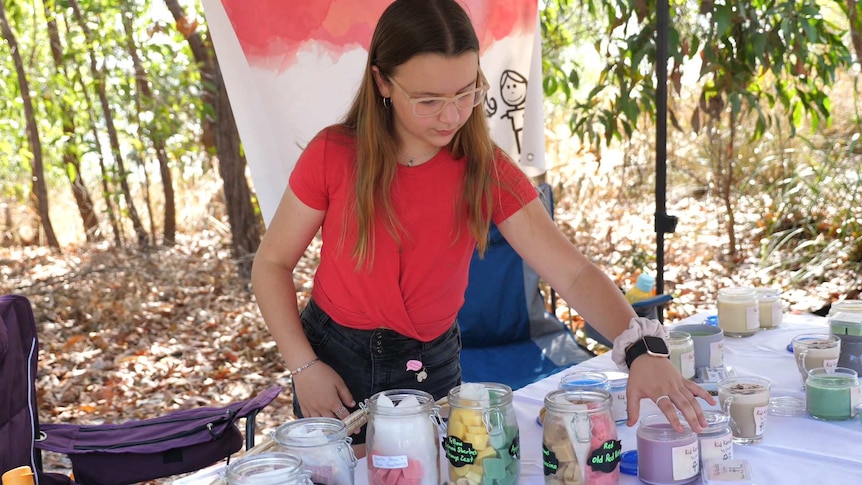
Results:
x,y
832,396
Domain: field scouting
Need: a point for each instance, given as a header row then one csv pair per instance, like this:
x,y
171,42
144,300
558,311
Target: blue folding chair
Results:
x,y
508,335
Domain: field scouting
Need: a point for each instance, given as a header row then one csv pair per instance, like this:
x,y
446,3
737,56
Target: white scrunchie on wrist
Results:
x,y
638,327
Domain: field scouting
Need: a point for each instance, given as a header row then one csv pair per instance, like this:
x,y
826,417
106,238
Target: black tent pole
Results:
x,y
663,222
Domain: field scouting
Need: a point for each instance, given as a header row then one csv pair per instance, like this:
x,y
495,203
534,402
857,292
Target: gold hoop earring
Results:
x,y
387,103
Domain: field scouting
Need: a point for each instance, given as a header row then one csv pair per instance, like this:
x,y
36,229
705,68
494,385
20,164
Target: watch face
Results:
x,y
656,346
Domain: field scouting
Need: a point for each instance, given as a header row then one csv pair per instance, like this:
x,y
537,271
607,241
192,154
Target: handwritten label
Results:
x,y
752,317
606,457
686,364
686,461
618,408
715,374
760,413
389,462
830,365
777,313
550,464
718,448
729,471
716,354
458,452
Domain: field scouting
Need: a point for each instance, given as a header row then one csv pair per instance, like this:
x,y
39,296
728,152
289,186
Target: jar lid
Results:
x,y
786,406
616,378
629,462
767,292
310,432
737,292
678,337
847,306
658,426
271,468
711,320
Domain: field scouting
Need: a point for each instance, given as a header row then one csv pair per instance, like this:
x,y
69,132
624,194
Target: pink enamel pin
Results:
x,y
419,368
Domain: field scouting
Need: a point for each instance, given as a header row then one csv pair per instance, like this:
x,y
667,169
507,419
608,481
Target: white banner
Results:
x,y
292,67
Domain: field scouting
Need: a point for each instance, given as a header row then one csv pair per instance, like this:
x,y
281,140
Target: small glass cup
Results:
x,y
812,350
746,400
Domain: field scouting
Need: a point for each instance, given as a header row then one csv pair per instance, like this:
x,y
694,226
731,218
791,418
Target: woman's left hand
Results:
x,y
656,378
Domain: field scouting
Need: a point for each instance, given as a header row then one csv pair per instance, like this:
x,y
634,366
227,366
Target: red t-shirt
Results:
x,y
415,288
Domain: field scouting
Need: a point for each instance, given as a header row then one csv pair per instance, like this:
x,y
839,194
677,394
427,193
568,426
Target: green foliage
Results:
x,y
68,96
752,55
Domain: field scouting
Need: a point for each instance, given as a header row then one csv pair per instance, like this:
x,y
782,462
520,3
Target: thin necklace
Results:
x,y
411,159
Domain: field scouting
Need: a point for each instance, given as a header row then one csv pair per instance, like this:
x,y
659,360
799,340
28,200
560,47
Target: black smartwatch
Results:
x,y
655,346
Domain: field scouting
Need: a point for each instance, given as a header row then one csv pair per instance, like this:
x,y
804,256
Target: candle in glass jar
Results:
x,y
681,348
769,307
738,312
665,456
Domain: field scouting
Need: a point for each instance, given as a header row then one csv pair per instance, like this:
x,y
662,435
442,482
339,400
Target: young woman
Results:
x,y
403,190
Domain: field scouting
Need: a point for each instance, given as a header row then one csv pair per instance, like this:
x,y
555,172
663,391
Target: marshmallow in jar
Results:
x,y
482,442
403,438
323,446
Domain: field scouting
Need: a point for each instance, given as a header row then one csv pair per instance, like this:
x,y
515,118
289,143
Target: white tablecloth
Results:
x,y
795,450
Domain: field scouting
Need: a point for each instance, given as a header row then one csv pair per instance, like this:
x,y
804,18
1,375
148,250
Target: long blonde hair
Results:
x,y
408,28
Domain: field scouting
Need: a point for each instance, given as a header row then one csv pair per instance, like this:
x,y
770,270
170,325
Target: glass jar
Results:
x,y
482,437
716,440
573,381
274,468
323,446
579,438
618,382
403,438
848,328
681,348
846,306
738,311
832,394
770,308
666,456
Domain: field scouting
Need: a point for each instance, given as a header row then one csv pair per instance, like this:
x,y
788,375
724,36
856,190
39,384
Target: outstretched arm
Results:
x,y
533,234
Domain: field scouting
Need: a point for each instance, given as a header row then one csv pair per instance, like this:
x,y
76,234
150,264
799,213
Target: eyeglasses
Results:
x,y
425,107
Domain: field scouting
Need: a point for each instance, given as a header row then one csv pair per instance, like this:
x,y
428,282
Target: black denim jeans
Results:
x,y
371,361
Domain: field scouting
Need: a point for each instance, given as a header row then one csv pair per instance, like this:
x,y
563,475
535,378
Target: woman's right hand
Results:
x,y
322,392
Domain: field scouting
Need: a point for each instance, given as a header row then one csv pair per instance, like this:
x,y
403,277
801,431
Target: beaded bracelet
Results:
x,y
304,366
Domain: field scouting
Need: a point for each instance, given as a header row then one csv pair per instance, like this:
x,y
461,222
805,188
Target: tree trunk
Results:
x,y
99,78
107,190
70,159
143,85
244,220
854,16
39,187
729,180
